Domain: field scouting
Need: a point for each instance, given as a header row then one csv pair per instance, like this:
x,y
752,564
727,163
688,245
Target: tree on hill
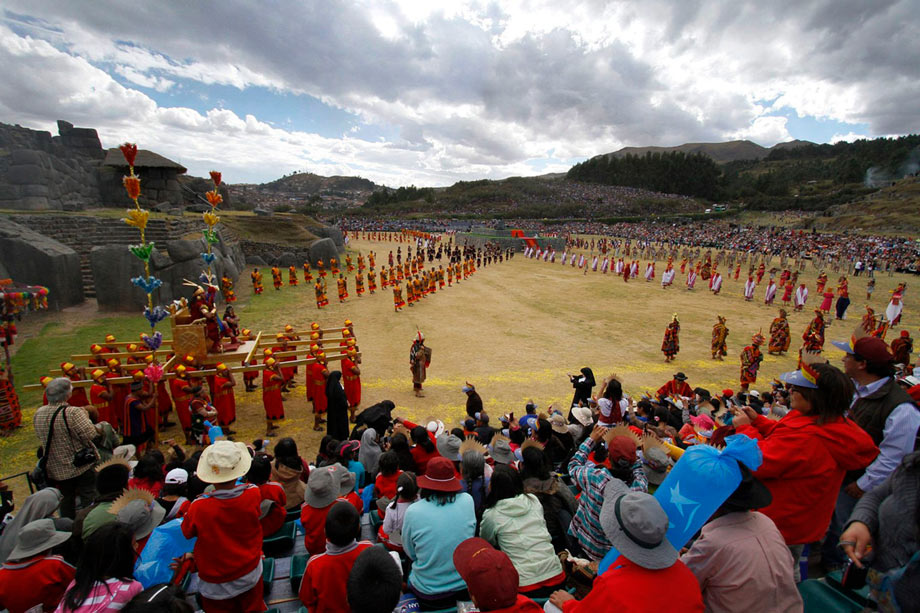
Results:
x,y
694,174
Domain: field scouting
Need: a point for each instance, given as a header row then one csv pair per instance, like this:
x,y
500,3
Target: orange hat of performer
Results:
x,y
314,326
314,348
110,338
112,363
279,336
347,322
45,381
98,375
267,353
314,336
138,375
270,362
289,328
149,358
246,332
132,348
221,367
345,332
180,371
350,342
95,348
66,367
189,359
321,356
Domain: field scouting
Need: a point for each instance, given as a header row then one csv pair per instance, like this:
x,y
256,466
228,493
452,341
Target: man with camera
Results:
x,y
66,435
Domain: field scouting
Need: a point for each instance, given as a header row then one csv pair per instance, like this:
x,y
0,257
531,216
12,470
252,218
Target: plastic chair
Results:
x,y
298,567
281,542
268,574
819,597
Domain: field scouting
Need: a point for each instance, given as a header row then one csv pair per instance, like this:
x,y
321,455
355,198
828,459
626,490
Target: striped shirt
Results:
x,y
110,595
591,480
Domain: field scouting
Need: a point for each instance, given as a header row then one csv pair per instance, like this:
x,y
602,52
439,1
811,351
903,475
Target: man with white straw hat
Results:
x,y
32,578
637,526
228,552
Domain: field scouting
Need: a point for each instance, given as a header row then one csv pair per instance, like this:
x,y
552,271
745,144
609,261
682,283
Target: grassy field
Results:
x,y
513,329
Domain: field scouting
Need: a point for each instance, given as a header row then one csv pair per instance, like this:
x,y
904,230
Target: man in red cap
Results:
x,y
491,578
886,412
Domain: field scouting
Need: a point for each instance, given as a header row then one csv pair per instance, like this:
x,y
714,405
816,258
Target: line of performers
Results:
x,y
420,280
813,339
794,294
128,407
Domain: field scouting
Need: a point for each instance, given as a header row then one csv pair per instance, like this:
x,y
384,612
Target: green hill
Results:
x,y
720,152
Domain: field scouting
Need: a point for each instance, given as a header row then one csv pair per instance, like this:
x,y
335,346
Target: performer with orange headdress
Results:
x,y
751,357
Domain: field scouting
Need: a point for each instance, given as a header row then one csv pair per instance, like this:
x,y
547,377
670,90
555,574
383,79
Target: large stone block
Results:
x,y
30,257
256,260
26,174
331,232
113,268
324,249
185,250
20,157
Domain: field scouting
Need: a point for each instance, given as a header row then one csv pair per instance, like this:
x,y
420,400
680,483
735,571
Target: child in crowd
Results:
x,y
104,579
228,552
322,491
390,533
386,483
347,490
347,454
375,582
323,587
148,474
273,498
32,578
173,497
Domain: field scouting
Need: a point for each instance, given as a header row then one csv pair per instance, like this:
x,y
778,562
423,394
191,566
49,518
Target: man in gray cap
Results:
x,y
637,526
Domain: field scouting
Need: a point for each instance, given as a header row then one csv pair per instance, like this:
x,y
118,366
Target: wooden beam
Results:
x,y
203,372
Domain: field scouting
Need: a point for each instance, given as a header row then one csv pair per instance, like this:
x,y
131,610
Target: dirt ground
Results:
x,y
517,328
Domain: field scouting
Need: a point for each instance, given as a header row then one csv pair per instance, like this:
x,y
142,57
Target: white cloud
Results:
x,y
848,137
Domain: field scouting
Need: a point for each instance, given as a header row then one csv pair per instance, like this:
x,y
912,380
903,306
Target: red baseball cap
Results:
x,y
622,450
873,350
489,574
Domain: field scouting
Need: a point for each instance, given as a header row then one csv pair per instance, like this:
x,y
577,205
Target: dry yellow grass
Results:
x,y
515,329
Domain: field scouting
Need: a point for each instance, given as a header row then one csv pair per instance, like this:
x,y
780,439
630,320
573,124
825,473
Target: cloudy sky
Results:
x,y
426,92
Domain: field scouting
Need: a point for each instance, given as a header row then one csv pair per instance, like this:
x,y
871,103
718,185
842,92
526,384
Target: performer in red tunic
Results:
x,y
78,397
671,343
751,357
352,381
120,391
316,380
272,379
164,402
779,334
224,400
180,387
100,396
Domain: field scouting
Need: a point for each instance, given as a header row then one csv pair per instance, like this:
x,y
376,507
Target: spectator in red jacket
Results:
x,y
32,578
375,582
228,552
273,499
323,587
322,492
491,578
807,453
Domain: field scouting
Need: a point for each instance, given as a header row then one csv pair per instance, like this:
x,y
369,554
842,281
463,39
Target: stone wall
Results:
x,y
159,186
38,172
30,257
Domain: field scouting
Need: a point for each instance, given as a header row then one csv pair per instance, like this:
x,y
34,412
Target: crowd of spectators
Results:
x,y
503,511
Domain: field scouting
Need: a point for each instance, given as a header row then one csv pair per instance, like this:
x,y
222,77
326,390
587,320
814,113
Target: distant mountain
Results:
x,y
720,152
307,184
